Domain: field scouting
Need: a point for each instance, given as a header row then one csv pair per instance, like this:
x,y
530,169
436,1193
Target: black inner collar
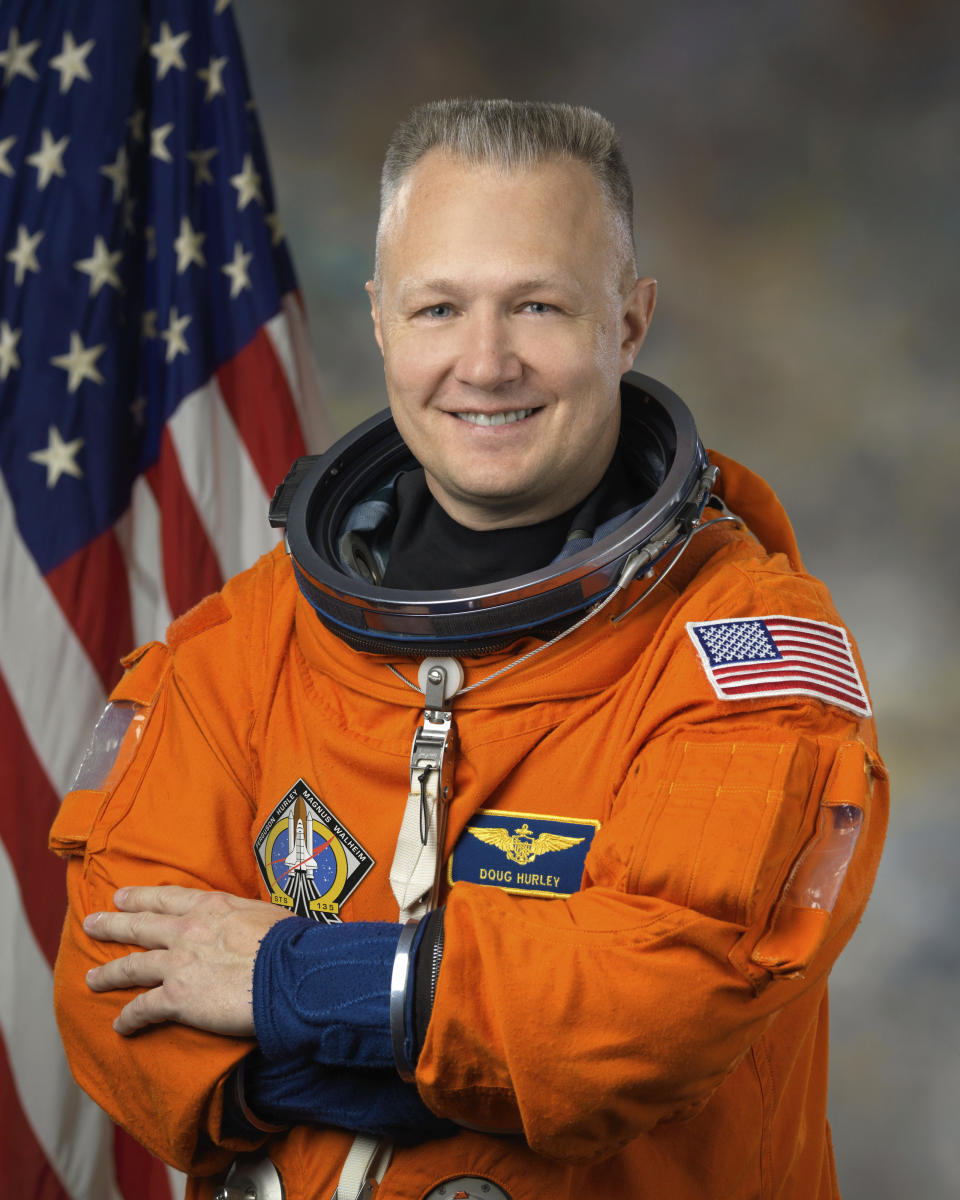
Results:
x,y
429,550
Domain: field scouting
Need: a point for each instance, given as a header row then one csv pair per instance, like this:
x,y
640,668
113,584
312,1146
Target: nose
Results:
x,y
487,357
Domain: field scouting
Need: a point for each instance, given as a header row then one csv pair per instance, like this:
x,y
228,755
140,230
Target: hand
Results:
x,y
197,961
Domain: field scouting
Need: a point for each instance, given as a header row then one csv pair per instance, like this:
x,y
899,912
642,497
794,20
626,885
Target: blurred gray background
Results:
x,y
796,169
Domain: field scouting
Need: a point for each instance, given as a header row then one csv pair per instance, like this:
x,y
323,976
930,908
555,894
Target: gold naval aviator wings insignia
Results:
x,y
521,846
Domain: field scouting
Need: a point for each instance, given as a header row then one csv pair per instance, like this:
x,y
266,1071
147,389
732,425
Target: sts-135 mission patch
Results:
x,y
309,861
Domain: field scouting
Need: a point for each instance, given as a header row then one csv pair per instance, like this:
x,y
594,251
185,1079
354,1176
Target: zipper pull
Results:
x,y
416,871
434,742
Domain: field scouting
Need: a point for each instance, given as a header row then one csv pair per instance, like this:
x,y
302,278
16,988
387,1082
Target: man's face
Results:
x,y
505,326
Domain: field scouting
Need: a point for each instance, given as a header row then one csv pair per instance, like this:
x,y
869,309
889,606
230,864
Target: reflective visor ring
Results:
x,y
314,501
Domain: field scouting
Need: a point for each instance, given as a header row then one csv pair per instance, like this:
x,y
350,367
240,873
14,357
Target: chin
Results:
x,y
505,495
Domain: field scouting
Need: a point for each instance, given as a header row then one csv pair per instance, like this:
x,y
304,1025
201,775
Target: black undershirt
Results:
x,y
429,550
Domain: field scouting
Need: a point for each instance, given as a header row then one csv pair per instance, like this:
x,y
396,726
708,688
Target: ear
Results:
x,y
371,290
638,309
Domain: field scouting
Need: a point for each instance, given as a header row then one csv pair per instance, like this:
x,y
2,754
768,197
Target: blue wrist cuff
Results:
x,y
323,992
364,1101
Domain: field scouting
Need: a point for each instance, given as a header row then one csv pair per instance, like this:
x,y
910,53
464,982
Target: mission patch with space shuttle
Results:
x,y
310,861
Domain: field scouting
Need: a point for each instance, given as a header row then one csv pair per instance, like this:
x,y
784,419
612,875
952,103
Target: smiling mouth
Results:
x,y
500,418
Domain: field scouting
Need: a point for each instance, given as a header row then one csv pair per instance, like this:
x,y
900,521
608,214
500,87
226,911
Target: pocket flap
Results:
x,y
144,669
74,821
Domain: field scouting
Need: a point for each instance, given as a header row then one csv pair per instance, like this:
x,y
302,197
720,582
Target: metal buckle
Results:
x,y
252,1179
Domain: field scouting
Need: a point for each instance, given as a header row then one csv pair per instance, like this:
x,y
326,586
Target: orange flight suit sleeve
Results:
x,y
164,1084
589,1021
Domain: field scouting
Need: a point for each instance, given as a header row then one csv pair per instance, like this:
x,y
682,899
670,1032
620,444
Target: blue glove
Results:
x,y
321,1007
322,992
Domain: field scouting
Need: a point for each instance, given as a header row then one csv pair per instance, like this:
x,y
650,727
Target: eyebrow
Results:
x,y
441,284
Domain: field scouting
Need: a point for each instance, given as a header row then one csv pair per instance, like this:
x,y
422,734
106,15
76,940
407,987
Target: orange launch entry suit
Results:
x,y
662,1031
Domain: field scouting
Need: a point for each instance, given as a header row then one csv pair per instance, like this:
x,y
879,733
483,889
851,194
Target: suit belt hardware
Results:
x,y
433,752
252,1179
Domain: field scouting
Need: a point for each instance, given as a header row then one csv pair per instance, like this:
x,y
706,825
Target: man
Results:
x,y
574,940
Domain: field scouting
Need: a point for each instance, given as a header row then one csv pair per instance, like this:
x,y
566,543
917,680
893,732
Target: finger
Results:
x,y
167,898
149,1008
132,970
145,929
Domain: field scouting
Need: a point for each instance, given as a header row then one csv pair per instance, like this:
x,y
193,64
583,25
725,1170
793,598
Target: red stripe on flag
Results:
x,y
140,1176
789,645
24,1167
784,671
819,690
788,670
805,629
190,566
92,590
254,389
790,662
29,806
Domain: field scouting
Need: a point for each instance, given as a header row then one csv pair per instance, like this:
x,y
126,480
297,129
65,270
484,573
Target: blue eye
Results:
x,y
539,307
437,310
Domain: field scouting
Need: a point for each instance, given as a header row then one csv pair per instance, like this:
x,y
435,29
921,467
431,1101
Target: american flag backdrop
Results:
x,y
154,387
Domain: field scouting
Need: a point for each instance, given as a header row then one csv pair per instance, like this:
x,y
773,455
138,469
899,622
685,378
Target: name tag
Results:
x,y
525,853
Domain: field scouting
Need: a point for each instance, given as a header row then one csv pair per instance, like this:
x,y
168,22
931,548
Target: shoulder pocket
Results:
x,y
800,919
113,745
725,818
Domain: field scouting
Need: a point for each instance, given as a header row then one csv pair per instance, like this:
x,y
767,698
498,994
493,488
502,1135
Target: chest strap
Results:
x,y
415,873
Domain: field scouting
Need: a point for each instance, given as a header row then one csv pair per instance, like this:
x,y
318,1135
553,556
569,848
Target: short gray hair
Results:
x,y
513,134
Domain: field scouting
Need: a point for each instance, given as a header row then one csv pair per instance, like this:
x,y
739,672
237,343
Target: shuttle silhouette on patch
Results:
x,y
525,853
310,862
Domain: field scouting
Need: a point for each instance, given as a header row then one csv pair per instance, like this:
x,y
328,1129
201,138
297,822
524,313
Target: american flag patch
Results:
x,y
756,657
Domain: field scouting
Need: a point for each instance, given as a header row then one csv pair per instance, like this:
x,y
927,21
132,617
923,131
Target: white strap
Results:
x,y
411,877
414,866
358,1168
